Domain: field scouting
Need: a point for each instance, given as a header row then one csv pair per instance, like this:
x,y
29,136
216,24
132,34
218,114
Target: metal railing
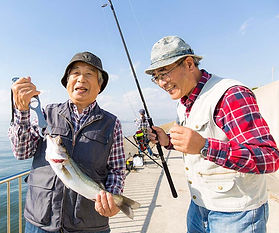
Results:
x,y
7,180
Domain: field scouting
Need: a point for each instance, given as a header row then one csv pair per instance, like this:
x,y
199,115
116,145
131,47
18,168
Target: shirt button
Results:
x,y
186,168
194,197
196,126
220,187
190,182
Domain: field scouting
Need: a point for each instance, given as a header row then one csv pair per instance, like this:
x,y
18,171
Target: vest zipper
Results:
x,y
73,144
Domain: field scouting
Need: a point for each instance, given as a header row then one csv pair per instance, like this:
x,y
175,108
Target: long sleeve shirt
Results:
x,y
24,137
142,123
250,147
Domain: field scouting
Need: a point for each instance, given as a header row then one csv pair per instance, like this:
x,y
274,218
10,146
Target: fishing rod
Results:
x,y
149,119
143,152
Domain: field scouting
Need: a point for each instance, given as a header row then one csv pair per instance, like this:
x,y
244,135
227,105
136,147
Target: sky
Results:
x,y
237,39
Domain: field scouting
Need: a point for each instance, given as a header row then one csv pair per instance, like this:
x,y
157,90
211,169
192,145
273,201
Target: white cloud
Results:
x,y
245,25
113,77
159,104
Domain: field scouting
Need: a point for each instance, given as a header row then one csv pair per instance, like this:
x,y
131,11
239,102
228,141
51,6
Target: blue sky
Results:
x,y
238,39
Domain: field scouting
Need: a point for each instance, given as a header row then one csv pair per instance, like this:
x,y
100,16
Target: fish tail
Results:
x,y
126,205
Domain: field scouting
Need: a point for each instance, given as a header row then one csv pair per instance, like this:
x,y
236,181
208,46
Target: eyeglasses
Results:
x,y
165,76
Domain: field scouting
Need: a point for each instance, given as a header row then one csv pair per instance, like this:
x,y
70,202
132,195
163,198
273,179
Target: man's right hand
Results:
x,y
23,90
162,138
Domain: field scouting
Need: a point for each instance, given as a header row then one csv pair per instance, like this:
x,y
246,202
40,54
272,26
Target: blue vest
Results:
x,y
49,204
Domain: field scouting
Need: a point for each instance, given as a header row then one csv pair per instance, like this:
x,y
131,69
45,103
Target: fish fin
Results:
x,y
66,172
101,185
126,205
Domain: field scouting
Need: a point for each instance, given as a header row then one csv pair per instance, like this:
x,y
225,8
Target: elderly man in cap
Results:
x,y
92,136
226,144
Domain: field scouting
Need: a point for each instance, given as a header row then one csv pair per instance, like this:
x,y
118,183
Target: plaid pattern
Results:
x,y
250,148
142,124
77,118
24,138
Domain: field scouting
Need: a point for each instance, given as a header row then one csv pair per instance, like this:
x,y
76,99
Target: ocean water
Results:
x,y
10,166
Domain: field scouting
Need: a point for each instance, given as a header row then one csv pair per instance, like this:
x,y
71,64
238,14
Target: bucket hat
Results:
x,y
90,59
168,50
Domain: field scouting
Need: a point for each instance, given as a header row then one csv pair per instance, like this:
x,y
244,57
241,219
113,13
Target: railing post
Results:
x,y
8,207
7,181
19,205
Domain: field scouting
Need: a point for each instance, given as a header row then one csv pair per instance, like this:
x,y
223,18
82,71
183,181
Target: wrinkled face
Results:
x,y
176,79
82,85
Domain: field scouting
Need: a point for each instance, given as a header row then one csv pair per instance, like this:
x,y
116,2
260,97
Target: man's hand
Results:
x,y
186,140
23,90
105,204
162,136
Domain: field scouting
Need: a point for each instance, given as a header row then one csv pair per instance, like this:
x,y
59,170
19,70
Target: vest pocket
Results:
x,y
220,187
60,131
200,125
39,198
85,214
220,183
95,136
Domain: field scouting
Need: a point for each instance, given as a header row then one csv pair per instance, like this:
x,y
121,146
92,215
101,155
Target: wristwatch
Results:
x,y
204,150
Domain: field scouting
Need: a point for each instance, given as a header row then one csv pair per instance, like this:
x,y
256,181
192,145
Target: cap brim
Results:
x,y
166,62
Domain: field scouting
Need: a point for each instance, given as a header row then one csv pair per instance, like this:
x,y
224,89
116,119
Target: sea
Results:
x,y
9,166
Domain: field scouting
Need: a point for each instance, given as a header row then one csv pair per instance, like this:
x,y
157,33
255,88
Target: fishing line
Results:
x,y
131,106
106,28
138,24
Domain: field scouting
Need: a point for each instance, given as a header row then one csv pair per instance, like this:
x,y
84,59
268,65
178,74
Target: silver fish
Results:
x,y
71,175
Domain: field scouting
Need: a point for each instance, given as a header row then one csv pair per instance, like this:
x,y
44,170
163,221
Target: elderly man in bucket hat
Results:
x,y
91,135
226,144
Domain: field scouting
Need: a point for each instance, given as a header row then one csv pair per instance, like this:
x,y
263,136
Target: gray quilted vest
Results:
x,y
49,204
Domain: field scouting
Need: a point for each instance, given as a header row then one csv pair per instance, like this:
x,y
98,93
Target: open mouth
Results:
x,y
80,89
58,160
169,88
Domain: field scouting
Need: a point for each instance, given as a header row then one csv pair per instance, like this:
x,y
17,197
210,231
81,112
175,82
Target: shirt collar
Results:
x,y
86,110
189,100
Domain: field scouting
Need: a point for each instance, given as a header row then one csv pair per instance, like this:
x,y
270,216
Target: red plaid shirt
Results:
x,y
250,147
24,138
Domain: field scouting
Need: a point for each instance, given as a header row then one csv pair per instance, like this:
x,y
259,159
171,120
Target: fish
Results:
x,y
72,176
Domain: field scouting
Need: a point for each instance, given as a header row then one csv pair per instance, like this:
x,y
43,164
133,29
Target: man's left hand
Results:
x,y
186,140
105,204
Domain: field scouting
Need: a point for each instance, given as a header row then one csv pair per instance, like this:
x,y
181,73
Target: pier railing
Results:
x,y
8,180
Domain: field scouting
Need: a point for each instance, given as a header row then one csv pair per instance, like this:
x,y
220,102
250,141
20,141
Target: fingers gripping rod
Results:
x,y
159,148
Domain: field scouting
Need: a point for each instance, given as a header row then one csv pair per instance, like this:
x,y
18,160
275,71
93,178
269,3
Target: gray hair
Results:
x,y
196,61
100,78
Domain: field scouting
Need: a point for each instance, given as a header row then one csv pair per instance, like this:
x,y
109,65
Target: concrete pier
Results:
x,y
159,211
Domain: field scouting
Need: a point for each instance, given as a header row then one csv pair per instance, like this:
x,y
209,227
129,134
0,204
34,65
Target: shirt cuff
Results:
x,y
22,117
217,151
170,146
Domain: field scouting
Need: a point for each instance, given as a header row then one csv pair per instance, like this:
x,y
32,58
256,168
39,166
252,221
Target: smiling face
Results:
x,y
83,86
182,79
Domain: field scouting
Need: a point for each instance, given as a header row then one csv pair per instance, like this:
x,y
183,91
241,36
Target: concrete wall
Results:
x,y
267,98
